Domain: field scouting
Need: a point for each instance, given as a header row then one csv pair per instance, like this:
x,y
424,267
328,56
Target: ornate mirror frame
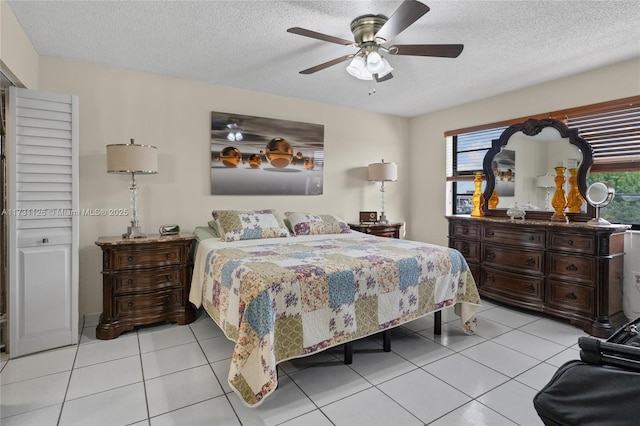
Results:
x,y
532,127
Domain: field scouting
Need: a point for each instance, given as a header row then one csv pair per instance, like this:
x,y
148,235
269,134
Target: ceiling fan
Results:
x,y
371,34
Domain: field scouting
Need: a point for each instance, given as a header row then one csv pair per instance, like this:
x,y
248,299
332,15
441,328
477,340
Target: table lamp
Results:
x,y
382,172
547,182
135,159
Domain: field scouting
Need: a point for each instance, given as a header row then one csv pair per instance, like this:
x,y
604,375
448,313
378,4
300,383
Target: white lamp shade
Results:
x,y
374,62
383,172
132,158
386,69
358,69
546,181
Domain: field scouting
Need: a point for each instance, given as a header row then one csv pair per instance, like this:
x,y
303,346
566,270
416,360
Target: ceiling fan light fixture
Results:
x,y
358,69
374,62
386,68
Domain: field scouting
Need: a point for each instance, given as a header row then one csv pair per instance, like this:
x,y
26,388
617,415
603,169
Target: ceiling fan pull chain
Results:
x,y
372,89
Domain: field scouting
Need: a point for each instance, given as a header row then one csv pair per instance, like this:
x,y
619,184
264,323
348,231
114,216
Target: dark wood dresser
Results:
x,y
569,270
145,281
389,230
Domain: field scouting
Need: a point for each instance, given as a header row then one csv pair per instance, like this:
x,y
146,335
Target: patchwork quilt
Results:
x,y
280,299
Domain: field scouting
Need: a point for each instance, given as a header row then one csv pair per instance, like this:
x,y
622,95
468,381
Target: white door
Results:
x,y
43,222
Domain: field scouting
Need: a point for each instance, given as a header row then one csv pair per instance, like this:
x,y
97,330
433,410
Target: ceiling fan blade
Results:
x,y
385,78
327,64
439,50
319,36
408,13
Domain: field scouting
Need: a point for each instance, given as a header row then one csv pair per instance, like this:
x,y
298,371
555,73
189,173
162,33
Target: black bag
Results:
x,y
622,349
601,389
581,394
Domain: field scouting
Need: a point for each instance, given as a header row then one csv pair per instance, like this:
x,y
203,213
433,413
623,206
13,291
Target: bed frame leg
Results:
x,y
437,319
348,352
386,340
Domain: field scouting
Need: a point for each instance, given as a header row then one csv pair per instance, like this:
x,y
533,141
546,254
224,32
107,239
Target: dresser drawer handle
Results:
x,y
491,255
571,296
168,277
531,237
570,242
168,256
130,258
130,304
465,231
465,249
572,268
130,281
530,262
529,288
491,278
490,233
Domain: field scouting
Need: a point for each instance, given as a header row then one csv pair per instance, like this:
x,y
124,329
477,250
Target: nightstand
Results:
x,y
145,281
389,230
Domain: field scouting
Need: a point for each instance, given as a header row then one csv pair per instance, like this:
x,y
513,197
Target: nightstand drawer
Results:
x,y
388,230
131,259
143,304
145,281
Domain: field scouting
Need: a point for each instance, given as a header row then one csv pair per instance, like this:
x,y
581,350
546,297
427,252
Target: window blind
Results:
x,y
614,135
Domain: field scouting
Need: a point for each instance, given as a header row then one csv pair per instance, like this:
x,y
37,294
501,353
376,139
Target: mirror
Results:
x,y
521,166
600,194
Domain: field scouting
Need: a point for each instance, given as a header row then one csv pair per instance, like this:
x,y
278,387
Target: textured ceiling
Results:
x,y
244,44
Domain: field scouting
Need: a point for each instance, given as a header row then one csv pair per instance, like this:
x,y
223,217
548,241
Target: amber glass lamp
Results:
x,y
477,199
559,200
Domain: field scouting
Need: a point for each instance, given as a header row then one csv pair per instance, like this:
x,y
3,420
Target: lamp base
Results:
x,y
383,219
134,231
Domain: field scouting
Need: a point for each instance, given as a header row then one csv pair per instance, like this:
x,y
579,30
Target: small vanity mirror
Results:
x,y
522,166
600,194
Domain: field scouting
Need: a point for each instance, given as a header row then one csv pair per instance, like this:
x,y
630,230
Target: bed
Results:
x,y
289,297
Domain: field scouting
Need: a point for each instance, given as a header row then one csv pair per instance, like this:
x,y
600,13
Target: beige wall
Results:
x,y
174,115
426,215
17,54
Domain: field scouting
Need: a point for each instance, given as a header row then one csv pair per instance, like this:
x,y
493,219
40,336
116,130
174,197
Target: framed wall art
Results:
x,y
265,156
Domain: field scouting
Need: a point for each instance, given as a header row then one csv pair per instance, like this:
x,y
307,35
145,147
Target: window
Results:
x,y
613,130
614,135
467,151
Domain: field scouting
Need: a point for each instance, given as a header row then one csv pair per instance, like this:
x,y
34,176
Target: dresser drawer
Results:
x,y
147,303
513,286
572,242
528,261
131,259
465,229
469,249
565,266
144,281
570,296
515,236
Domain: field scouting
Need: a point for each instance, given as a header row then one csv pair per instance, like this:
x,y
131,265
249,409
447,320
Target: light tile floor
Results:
x,y
176,375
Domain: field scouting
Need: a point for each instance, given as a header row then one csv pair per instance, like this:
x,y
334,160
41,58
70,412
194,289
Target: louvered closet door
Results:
x,y
43,224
